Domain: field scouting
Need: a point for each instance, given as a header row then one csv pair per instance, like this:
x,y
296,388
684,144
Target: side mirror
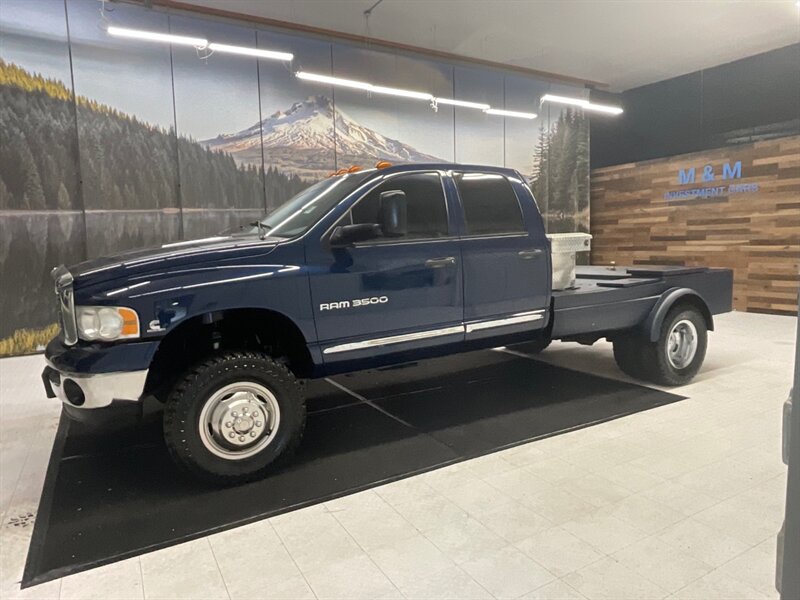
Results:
x,y
392,214
347,235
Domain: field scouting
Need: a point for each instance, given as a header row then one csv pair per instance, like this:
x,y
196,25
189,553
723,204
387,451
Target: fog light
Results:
x,y
74,392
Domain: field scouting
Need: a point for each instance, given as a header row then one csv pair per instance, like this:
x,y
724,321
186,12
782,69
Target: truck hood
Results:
x,y
168,256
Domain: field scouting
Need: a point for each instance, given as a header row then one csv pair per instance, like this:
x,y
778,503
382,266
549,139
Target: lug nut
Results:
x,y
228,424
258,423
234,414
244,410
252,434
241,438
231,434
255,414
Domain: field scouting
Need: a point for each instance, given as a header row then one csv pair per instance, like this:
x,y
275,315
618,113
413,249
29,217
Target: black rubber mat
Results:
x,y
109,496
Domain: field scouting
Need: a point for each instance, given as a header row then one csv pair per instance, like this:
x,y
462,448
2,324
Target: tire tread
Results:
x,y
193,378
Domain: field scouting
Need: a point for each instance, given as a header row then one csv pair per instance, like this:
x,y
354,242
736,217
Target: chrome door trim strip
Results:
x,y
524,317
515,319
394,339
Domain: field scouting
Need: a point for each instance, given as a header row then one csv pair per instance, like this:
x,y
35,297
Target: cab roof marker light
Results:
x,y
510,113
351,83
583,103
464,103
155,36
250,51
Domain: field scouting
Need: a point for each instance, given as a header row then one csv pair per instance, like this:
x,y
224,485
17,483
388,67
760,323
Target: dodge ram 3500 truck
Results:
x,y
360,270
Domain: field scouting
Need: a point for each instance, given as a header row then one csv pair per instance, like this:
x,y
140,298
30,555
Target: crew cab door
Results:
x,y
505,256
390,294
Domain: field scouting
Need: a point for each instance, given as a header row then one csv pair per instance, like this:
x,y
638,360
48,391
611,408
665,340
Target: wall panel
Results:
x,y
121,143
216,104
41,222
757,234
126,134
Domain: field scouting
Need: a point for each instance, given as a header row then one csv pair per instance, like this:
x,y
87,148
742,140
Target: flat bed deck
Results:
x,y
607,299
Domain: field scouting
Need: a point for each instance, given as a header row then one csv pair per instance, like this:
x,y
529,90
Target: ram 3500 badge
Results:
x,y
360,270
354,303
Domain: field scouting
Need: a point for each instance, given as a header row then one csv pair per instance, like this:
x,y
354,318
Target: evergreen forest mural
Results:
x,y
83,174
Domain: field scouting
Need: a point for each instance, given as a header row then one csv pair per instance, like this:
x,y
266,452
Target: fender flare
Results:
x,y
652,324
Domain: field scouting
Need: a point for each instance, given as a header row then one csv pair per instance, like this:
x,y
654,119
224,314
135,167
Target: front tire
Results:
x,y
231,416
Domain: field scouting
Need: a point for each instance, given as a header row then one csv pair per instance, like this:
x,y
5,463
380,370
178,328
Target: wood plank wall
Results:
x,y
757,234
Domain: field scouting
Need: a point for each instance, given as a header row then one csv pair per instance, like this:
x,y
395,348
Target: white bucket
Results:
x,y
563,247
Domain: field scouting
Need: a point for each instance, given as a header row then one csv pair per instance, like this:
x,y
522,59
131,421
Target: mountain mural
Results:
x,y
300,140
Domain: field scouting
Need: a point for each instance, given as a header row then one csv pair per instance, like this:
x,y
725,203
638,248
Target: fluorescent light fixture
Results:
x,y
154,36
379,89
363,85
250,51
585,104
510,113
564,100
360,85
464,103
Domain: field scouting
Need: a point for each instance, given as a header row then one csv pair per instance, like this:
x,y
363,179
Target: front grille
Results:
x,y
66,304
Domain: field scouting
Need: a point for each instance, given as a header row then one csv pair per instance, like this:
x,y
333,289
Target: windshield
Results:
x,y
298,214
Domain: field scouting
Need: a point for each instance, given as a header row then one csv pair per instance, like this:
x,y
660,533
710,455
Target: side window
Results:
x,y
490,204
425,202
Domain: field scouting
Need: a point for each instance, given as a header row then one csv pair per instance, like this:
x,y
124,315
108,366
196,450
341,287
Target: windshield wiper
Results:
x,y
262,228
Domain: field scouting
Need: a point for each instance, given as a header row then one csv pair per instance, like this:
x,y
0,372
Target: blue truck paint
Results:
x,y
488,280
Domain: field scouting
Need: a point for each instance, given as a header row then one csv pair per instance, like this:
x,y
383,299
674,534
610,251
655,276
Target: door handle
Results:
x,y
529,254
438,263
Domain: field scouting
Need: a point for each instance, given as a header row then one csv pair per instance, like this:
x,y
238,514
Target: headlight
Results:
x,y
107,323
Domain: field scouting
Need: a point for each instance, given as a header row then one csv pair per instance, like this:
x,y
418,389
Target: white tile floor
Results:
x,y
683,502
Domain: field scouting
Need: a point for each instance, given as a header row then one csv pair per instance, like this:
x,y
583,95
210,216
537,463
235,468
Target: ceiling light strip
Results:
x,y
464,103
583,103
154,36
351,83
201,43
363,85
510,113
243,50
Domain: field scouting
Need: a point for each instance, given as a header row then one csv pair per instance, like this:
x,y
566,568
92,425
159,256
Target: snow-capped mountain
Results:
x,y
300,140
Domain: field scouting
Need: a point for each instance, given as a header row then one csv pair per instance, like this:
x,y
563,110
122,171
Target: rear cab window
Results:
x,y
490,205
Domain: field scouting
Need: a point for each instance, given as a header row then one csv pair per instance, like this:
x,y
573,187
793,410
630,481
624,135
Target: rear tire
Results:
x,y
677,355
627,354
231,416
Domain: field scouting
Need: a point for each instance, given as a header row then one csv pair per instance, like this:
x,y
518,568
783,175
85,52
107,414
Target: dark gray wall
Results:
x,y
743,101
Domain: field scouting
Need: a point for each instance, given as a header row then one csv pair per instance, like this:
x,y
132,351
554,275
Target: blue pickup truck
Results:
x,y
360,270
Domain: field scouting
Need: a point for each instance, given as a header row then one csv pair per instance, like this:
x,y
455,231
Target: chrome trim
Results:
x,y
492,236
394,339
100,389
525,317
66,302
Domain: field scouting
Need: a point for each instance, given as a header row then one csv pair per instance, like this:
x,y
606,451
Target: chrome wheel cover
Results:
x,y
682,344
239,420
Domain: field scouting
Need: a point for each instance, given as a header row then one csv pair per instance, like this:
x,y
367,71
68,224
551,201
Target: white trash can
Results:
x,y
563,247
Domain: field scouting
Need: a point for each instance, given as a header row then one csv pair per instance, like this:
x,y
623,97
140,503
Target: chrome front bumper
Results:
x,y
87,391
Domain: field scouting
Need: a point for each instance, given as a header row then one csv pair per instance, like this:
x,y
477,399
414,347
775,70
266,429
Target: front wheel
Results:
x,y
231,416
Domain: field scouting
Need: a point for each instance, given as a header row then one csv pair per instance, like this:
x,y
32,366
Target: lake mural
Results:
x,y
110,144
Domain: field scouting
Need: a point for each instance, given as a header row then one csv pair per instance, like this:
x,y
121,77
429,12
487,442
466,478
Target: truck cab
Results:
x,y
363,269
